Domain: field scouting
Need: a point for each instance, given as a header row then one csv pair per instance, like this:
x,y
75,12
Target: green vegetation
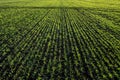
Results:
x,y
62,3
59,39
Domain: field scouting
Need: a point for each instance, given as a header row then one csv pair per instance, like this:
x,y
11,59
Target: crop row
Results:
x,y
60,44
14,34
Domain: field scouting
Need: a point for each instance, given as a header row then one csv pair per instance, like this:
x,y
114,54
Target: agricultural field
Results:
x,y
59,39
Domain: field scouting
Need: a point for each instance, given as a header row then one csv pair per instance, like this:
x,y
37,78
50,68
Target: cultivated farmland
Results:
x,y
59,40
